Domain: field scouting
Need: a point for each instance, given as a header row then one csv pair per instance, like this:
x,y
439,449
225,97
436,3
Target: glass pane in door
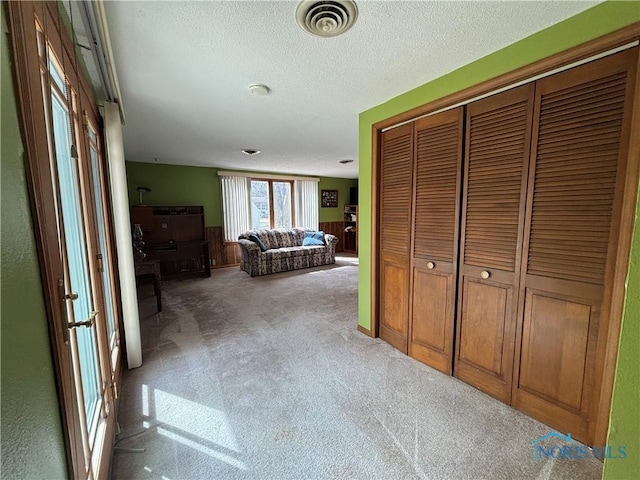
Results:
x,y
260,213
282,204
76,252
102,238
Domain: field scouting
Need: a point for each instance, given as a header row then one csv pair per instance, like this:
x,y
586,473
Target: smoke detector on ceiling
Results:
x,y
326,18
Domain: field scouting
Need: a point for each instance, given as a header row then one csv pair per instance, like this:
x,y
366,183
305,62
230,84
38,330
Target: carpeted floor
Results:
x,y
268,378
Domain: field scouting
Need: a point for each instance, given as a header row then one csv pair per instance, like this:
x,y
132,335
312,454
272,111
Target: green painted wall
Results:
x,y
182,185
624,426
595,22
32,442
177,185
330,214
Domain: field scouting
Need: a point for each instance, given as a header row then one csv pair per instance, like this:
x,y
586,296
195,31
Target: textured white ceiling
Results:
x,y
184,69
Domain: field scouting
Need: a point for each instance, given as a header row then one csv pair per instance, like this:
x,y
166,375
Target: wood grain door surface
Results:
x,y
436,207
573,207
496,158
536,209
395,234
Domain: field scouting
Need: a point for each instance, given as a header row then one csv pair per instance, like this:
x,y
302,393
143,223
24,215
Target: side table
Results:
x,y
151,268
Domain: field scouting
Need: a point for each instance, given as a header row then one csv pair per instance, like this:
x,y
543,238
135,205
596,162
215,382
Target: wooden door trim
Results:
x,y
627,180
374,323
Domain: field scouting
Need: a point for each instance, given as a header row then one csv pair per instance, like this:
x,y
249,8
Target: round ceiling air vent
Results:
x,y
326,18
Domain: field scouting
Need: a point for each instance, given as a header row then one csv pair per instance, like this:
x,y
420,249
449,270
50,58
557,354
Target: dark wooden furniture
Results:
x,y
145,268
174,236
350,226
520,232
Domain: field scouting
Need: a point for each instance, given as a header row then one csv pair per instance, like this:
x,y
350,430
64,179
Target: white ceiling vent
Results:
x,y
326,18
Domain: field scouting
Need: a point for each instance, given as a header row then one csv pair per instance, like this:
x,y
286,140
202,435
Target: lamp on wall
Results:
x,y
141,191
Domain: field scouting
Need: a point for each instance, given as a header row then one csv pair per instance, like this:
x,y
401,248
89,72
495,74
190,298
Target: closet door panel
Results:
x,y
437,183
431,334
396,188
556,330
574,196
496,159
482,343
394,293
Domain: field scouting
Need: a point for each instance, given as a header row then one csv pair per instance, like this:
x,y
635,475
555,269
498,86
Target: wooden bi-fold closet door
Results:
x,y
498,132
396,171
581,129
436,207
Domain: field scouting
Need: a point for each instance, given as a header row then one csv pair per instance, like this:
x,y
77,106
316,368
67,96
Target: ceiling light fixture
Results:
x,y
326,18
344,162
258,89
250,151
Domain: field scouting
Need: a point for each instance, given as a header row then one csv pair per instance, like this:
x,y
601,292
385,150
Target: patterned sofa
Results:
x,y
284,251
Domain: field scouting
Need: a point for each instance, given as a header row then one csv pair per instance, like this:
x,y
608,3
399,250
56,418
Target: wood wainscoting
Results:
x,y
334,228
223,254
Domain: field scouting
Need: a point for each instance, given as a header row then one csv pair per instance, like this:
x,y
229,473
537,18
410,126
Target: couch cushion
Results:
x,y
298,236
255,239
284,238
313,239
261,234
290,252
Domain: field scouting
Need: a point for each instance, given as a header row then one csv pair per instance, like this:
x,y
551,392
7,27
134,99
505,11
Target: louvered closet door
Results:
x,y
395,234
496,159
573,201
437,174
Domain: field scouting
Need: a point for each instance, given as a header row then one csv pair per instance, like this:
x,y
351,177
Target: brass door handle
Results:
x,y
86,323
431,265
485,274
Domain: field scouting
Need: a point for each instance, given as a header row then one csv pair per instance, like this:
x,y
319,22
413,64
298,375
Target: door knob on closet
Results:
x,y
431,265
485,274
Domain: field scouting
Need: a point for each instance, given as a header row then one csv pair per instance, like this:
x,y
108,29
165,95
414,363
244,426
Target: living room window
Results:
x,y
266,201
271,204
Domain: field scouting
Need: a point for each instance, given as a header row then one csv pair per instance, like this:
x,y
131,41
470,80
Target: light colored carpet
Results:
x,y
268,378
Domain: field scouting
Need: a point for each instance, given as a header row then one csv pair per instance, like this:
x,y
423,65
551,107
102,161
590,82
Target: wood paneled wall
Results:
x,y
334,228
223,254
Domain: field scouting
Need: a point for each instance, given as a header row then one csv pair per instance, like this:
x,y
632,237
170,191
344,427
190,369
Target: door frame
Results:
x,y
42,185
584,51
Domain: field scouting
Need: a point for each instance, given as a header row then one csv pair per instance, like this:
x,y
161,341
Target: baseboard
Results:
x,y
366,331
